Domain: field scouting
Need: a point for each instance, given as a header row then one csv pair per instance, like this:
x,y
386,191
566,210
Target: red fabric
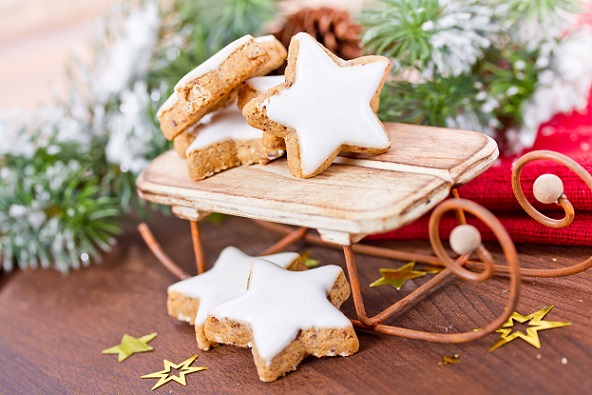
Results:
x,y
519,226
570,134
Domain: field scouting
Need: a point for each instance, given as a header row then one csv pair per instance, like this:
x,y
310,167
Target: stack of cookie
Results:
x,y
202,118
323,106
271,304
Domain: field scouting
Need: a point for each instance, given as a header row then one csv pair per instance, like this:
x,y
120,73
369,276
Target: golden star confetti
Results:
x,y
130,345
397,277
164,376
307,260
535,324
449,359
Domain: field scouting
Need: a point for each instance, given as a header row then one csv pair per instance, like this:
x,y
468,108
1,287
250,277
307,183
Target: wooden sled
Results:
x,y
359,196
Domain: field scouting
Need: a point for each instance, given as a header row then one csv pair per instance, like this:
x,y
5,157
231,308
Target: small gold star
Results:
x,y
164,376
449,359
397,277
130,345
535,324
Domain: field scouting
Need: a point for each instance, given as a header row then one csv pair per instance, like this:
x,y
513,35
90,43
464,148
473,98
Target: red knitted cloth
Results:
x,y
519,226
568,134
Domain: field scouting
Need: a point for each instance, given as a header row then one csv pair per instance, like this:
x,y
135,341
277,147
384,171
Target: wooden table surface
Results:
x,y
53,328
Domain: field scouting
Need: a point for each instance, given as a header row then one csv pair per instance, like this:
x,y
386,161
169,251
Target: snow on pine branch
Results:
x,y
458,37
562,87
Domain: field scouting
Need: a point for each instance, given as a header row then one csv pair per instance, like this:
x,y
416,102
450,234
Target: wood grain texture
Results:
x,y
454,155
53,328
359,195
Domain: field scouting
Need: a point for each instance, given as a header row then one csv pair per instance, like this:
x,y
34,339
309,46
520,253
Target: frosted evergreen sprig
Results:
x,y
223,21
563,85
52,211
532,22
447,102
491,66
444,37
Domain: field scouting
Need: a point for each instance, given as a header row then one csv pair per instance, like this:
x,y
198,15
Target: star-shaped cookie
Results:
x,y
191,299
324,107
286,316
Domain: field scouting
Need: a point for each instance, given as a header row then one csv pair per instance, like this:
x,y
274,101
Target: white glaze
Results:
x,y
279,303
226,124
329,105
168,104
261,84
266,39
213,62
226,280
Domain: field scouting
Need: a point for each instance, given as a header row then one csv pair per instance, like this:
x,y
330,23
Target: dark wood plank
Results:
x,y
53,328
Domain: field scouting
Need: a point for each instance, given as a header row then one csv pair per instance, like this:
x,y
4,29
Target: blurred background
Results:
x,y
38,36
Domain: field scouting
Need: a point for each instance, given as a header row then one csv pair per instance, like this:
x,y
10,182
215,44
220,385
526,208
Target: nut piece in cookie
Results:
x,y
225,142
325,106
286,316
208,86
190,300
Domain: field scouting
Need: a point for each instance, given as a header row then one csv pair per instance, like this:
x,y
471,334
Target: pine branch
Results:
x,y
511,77
434,103
225,20
436,37
480,65
202,28
395,30
56,216
541,10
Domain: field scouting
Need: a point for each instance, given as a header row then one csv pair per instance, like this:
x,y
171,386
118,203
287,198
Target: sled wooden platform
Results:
x,y
361,195
358,195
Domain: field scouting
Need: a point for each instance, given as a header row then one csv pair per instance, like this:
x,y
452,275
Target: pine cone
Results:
x,y
331,27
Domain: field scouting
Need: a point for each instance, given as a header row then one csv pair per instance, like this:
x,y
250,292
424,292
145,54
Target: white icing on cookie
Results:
x,y
279,303
261,84
214,62
226,280
329,105
226,124
168,104
266,39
